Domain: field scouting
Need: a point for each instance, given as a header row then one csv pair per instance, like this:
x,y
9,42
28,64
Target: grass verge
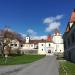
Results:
x,y
66,68
21,59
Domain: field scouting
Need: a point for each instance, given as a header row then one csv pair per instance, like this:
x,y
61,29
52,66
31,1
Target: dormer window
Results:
x,y
71,25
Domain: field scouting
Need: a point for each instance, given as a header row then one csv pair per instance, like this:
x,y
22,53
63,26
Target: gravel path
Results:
x,y
45,66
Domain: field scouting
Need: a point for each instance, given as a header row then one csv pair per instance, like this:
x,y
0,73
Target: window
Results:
x,y
31,45
49,51
42,44
26,45
49,44
11,44
21,45
15,44
27,37
42,49
55,50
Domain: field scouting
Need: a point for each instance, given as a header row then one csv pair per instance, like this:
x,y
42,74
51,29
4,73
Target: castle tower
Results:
x,y
57,37
58,42
27,39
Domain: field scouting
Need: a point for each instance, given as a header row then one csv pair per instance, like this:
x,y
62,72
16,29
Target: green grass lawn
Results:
x,y
21,59
68,66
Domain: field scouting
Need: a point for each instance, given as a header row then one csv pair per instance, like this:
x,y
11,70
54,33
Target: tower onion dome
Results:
x,y
72,18
57,32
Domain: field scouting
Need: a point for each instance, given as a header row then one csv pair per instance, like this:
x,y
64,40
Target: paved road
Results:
x,y
45,66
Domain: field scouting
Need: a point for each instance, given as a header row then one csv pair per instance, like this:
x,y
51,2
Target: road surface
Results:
x,y
45,66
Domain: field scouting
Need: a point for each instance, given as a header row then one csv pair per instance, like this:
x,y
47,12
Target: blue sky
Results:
x,y
28,16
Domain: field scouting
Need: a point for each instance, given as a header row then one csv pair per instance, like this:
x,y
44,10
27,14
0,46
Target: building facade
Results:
x,y
69,39
14,44
29,46
58,42
52,45
49,46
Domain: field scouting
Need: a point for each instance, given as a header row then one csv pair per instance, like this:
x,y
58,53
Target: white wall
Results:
x,y
46,46
58,48
41,48
55,48
27,39
51,47
27,47
58,44
57,39
36,46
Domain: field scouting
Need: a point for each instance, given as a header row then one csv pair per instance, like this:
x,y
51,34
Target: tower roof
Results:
x,y
49,38
57,32
72,18
27,35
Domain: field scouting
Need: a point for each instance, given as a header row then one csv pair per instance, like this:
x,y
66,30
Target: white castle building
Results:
x,y
53,44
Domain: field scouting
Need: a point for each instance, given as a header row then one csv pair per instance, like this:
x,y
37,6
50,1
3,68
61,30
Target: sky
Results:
x,y
35,17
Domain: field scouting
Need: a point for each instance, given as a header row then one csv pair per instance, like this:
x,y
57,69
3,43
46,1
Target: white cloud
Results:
x,y
38,37
31,32
35,37
58,17
53,22
23,35
49,20
53,26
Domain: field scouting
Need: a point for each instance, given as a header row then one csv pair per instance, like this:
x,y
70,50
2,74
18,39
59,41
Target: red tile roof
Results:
x,y
38,41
